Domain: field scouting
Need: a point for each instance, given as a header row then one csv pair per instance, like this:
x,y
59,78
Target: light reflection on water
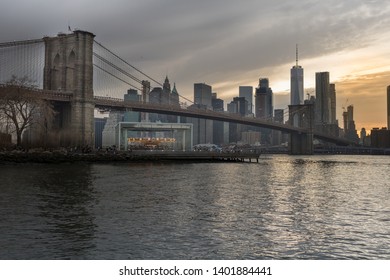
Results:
x,y
318,207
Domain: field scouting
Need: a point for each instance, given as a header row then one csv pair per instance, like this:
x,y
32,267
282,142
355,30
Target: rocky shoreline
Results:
x,y
62,157
115,156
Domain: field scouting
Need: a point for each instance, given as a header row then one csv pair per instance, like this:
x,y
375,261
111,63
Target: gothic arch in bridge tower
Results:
x,y
296,120
300,117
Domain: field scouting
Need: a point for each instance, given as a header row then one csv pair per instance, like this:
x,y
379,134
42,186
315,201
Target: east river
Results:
x,y
284,207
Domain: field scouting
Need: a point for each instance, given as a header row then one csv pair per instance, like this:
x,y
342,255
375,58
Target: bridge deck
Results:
x,y
120,104
103,103
14,91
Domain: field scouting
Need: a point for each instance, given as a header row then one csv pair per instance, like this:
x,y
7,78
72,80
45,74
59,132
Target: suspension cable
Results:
x,y
117,68
133,67
116,77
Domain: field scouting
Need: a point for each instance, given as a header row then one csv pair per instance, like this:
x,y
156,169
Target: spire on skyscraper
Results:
x,y
174,90
296,89
167,85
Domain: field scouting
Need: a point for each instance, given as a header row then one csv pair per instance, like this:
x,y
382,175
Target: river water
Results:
x,y
284,207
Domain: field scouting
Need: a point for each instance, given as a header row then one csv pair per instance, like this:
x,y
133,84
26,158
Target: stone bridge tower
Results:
x,y
301,116
69,68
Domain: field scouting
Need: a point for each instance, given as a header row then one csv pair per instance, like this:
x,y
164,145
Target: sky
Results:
x,y
228,44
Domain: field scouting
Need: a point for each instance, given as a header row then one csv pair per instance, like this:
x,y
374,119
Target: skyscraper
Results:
x,y
203,94
264,107
132,116
263,100
323,101
332,96
296,90
363,136
145,98
218,104
202,128
247,93
239,105
349,125
161,95
218,126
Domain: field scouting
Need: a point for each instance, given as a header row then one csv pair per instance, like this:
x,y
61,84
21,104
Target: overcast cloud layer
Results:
x,y
224,43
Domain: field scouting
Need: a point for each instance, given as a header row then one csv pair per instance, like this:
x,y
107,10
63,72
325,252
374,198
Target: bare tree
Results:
x,y
21,112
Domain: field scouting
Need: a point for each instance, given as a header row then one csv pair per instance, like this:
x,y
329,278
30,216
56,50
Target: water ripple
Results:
x,y
285,207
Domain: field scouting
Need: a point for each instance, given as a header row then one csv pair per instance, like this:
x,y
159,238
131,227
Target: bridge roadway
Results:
x,y
119,104
108,103
29,92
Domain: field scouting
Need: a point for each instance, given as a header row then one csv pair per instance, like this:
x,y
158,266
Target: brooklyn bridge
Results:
x,y
78,75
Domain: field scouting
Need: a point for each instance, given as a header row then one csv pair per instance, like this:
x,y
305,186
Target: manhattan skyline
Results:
x,y
227,45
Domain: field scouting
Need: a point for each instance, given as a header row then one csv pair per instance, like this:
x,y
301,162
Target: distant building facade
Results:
x,y
380,138
247,93
132,116
202,128
323,103
264,108
164,96
108,133
239,105
156,96
218,126
250,137
363,137
145,98
332,97
217,104
203,94
264,100
99,126
350,131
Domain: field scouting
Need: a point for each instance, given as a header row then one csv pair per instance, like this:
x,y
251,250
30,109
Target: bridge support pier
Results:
x,y
301,144
82,124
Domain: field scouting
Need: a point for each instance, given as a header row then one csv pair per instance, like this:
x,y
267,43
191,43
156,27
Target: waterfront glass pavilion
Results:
x,y
178,135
